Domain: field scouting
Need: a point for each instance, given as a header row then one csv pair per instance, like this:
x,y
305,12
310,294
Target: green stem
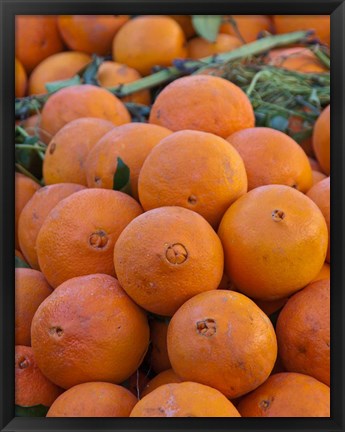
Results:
x,y
324,59
21,169
257,76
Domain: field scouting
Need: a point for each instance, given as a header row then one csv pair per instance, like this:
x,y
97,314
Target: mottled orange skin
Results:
x,y
31,386
55,68
322,140
89,330
198,47
166,377
287,394
20,80
75,102
78,236
148,41
272,157
166,256
222,339
185,22
298,59
92,34
283,250
317,177
67,152
186,399
132,143
158,357
291,23
303,331
325,273
111,74
31,288
37,37
321,195
25,188
94,399
249,26
35,213
195,170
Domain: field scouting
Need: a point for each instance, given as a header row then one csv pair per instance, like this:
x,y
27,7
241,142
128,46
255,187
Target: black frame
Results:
x,y
8,10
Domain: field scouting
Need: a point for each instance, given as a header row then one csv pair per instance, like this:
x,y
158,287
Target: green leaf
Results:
x,y
20,263
279,122
121,181
58,85
34,411
31,139
207,26
89,75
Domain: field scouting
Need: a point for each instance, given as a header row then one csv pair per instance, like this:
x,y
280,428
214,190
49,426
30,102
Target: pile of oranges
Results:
x,y
205,291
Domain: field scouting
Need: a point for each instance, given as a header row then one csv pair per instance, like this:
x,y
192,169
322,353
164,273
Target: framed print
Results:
x,y
166,195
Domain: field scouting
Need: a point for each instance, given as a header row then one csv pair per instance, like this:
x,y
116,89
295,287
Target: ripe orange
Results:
x,y
205,103
325,273
25,188
20,79
187,399
249,26
195,170
35,213
213,339
78,236
291,23
166,256
296,59
158,357
56,67
272,157
31,386
31,288
321,140
92,34
317,177
287,394
321,195
89,330
111,74
67,152
93,399
132,143
303,331
198,47
185,22
147,41
166,377
275,242
75,102
37,37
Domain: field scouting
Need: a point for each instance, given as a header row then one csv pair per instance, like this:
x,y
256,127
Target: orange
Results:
x,y
275,242
185,22
317,177
213,339
55,68
35,213
67,152
298,59
314,164
195,170
158,357
303,331
187,399
147,41
31,386
166,377
226,284
92,34
320,24
166,256
321,195
321,139
37,37
198,47
287,394
93,399
205,103
272,157
89,330
111,74
270,307
325,273
20,80
25,188
132,143
249,26
31,288
75,102
78,236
